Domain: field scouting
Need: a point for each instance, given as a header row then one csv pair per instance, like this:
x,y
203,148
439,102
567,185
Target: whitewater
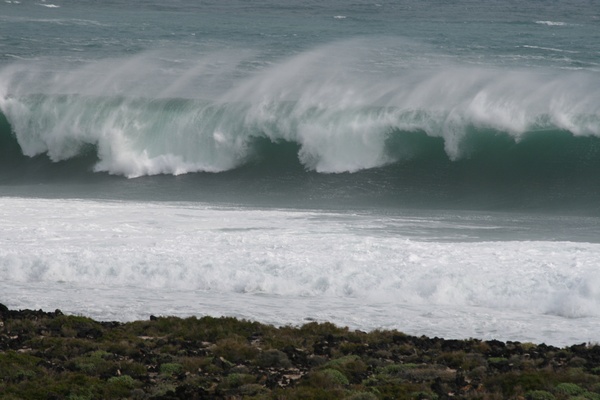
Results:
x,y
413,165
125,261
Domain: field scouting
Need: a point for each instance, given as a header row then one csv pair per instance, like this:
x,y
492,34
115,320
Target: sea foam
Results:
x,y
551,23
175,255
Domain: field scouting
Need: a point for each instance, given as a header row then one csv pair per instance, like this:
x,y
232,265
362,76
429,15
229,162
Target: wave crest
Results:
x,y
340,116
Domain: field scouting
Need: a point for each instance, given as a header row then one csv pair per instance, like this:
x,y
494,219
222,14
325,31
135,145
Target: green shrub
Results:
x,y
424,395
118,387
81,392
569,389
133,369
328,378
340,362
101,354
65,385
94,364
124,380
336,376
162,388
497,362
15,366
237,380
321,329
273,358
580,397
539,395
171,369
397,369
76,326
235,349
577,362
252,389
527,380
79,397
351,366
417,372
361,396
307,392
194,364
586,395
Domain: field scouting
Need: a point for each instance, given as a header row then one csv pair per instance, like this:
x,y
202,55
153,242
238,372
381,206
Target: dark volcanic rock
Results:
x,y
51,355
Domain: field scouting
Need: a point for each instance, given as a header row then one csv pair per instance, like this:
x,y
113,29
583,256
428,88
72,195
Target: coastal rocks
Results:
x,y
5,314
216,358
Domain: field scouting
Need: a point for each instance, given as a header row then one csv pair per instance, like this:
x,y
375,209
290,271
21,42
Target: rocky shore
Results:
x,y
49,355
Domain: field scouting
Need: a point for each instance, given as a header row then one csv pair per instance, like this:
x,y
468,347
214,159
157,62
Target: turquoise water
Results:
x,y
282,160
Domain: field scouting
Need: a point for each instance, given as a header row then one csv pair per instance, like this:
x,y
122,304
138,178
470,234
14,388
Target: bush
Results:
x,y
569,389
273,358
235,349
351,366
133,369
397,369
119,387
328,378
424,396
171,369
252,389
237,380
76,326
362,396
15,367
540,395
93,364
80,397
418,372
124,380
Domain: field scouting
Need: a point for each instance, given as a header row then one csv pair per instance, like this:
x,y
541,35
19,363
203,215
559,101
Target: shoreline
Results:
x,y
58,356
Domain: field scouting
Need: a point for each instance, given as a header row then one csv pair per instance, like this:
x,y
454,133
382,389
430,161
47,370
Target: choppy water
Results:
x,y
418,165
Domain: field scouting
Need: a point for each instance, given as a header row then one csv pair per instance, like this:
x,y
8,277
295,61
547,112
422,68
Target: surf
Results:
x,y
326,110
135,136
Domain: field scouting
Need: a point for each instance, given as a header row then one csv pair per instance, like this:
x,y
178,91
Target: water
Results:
x,y
417,165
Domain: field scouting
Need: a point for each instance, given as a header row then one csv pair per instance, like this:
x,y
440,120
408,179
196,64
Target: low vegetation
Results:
x,y
48,355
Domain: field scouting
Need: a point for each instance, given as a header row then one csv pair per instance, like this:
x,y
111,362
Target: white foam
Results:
x,y
126,260
551,23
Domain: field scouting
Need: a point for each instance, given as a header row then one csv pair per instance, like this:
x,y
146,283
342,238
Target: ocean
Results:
x,y
429,166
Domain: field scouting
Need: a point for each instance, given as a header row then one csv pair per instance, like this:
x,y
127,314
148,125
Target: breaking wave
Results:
x,y
144,119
